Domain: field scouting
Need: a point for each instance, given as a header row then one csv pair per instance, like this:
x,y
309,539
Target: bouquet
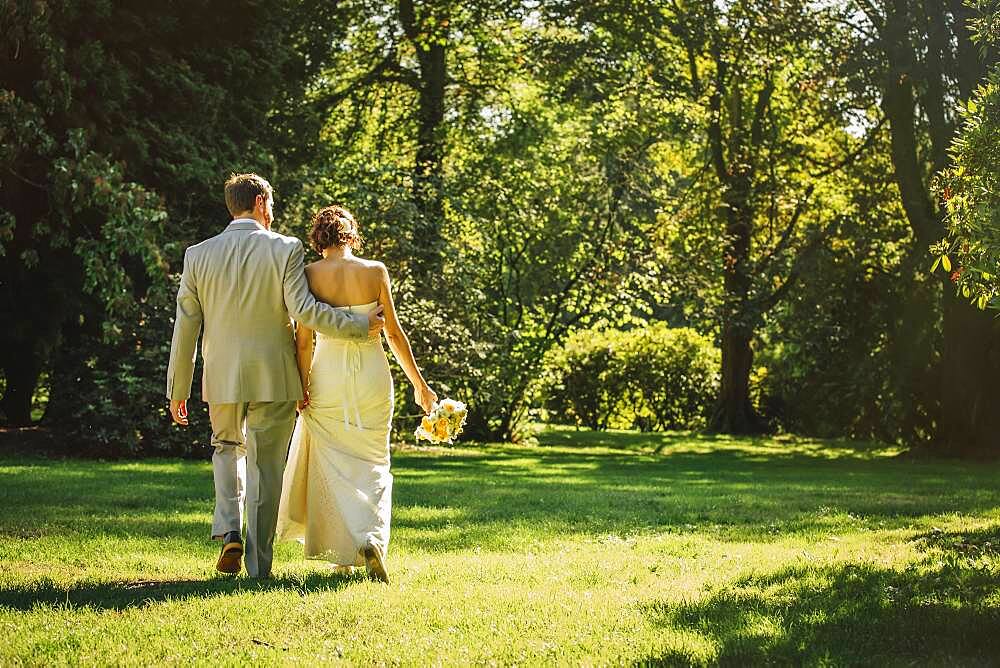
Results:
x,y
444,423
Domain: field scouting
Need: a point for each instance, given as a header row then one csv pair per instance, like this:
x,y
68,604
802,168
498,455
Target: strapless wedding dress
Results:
x,y
336,495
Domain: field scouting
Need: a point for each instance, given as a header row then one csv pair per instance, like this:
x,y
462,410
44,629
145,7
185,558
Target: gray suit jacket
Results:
x,y
243,285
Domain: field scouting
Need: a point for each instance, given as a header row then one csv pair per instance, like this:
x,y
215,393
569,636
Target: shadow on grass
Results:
x,y
664,442
123,595
941,611
482,499
974,543
573,484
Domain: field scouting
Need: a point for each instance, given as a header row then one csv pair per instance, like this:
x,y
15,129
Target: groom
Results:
x,y
242,285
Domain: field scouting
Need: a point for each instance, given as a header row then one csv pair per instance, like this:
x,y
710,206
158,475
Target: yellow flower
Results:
x,y
427,424
442,424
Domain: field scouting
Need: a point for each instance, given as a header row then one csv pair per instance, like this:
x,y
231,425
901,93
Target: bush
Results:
x,y
652,378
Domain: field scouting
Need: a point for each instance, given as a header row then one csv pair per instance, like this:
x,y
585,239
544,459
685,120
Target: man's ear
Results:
x,y
259,202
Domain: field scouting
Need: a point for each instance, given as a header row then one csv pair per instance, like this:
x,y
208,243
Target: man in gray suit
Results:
x,y
242,285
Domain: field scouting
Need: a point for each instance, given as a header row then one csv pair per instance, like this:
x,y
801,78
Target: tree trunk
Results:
x,y
970,363
970,402
21,371
734,413
430,159
427,191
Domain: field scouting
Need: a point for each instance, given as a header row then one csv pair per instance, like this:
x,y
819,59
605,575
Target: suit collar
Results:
x,y
244,224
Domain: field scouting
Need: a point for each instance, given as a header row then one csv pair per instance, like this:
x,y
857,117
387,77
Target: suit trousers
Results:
x,y
251,446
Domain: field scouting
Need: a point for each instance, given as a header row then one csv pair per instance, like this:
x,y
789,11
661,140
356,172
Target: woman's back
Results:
x,y
345,281
337,491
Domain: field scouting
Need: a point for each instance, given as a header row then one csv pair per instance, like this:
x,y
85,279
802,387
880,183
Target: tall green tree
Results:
x,y
538,203
752,68
429,56
756,118
930,61
120,121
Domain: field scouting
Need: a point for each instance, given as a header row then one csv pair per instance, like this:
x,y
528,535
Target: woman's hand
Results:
x,y
302,403
425,396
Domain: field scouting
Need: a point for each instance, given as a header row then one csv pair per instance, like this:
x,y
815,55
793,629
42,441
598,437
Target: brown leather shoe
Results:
x,y
376,566
232,552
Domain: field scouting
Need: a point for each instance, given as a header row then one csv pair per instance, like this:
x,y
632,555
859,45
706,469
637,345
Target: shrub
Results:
x,y
652,378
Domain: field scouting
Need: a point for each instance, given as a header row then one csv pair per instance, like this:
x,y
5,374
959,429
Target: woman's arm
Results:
x,y
399,343
303,355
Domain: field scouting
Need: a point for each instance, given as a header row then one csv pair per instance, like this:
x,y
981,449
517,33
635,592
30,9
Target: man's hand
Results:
x,y
179,411
376,322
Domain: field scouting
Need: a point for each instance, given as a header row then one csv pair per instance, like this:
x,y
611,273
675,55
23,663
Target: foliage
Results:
x,y
540,207
971,189
965,185
924,66
525,170
651,377
751,113
853,350
115,120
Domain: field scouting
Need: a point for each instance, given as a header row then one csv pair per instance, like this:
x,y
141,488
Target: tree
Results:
x,y
929,62
427,52
766,83
537,192
753,118
115,116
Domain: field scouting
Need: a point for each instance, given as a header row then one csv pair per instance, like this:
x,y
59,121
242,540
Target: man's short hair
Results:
x,y
242,191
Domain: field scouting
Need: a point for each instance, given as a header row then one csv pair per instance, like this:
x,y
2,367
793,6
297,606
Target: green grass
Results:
x,y
589,548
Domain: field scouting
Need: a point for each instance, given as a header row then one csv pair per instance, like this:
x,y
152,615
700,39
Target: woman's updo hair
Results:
x,y
334,226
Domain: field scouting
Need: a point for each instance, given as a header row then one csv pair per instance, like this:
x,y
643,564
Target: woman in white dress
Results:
x,y
336,494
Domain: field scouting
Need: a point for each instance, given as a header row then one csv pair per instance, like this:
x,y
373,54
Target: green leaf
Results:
x,y
946,262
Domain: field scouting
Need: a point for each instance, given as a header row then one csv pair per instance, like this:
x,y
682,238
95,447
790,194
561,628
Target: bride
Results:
x,y
336,494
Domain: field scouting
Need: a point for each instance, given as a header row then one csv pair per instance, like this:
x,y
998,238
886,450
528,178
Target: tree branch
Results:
x,y
387,70
408,19
852,156
786,236
767,302
760,108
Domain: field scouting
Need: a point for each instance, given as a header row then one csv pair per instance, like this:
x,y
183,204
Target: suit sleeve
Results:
x,y
304,308
184,345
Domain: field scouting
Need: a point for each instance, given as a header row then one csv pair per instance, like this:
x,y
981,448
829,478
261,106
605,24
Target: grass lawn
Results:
x,y
589,548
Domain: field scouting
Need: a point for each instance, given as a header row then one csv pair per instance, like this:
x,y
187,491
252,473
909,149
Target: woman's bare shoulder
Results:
x,y
316,272
368,262
371,267
313,268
